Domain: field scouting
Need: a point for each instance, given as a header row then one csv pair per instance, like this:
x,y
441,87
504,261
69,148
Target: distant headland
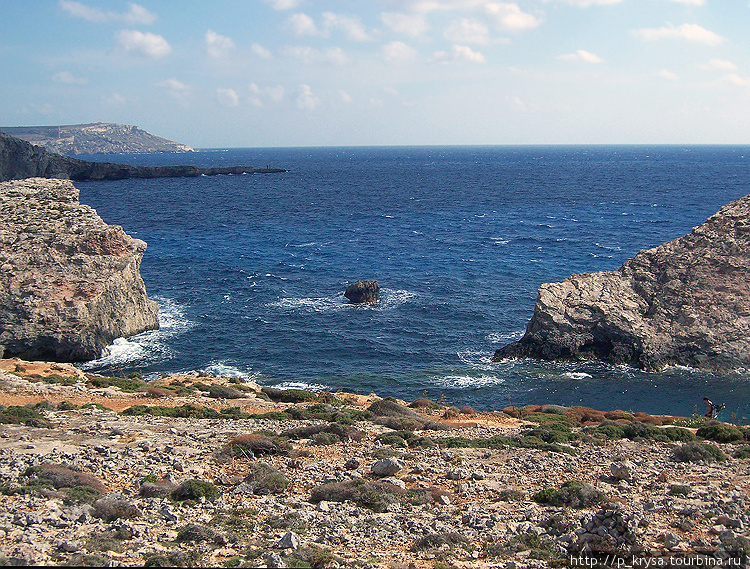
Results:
x,y
94,138
20,159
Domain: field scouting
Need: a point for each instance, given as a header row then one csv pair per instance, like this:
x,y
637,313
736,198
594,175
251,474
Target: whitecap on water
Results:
x,y
148,347
224,369
577,375
389,299
504,337
301,385
469,381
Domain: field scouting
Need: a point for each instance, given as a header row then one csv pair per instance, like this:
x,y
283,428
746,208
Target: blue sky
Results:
x,y
234,73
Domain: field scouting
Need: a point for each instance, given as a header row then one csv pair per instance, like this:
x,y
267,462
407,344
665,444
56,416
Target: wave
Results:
x,y
389,300
149,347
469,381
301,385
223,369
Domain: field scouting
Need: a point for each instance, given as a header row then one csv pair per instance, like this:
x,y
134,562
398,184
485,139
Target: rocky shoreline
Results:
x,y
198,470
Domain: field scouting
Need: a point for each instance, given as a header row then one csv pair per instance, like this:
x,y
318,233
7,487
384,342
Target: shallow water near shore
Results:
x,y
249,271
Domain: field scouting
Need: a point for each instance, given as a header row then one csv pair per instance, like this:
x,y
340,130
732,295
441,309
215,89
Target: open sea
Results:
x,y
249,271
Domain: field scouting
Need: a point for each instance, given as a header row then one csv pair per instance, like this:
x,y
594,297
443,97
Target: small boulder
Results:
x,y
386,467
624,470
363,292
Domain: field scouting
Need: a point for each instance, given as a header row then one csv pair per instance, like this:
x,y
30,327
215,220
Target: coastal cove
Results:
x,y
250,271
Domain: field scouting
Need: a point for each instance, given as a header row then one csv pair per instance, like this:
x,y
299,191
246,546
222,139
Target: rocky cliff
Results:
x,y
94,138
20,159
69,283
686,302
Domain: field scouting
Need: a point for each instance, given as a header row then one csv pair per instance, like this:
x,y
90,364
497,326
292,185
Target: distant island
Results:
x,y
94,138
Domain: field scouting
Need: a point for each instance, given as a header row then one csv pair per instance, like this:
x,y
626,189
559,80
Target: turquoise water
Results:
x,y
250,270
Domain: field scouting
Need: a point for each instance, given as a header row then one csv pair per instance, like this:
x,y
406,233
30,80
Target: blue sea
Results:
x,y
250,270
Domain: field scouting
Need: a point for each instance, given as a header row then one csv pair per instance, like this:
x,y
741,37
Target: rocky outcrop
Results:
x,y
20,159
686,302
69,283
94,138
362,292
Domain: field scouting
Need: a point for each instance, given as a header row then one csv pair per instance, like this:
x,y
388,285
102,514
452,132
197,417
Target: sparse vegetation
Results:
x,y
697,451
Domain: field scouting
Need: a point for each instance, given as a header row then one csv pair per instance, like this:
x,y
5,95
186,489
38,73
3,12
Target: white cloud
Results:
x,y
113,100
468,31
691,2
720,64
345,97
306,99
581,55
587,3
510,17
687,32
413,25
283,4
148,44
68,78
217,45
352,27
258,95
302,25
669,75
459,53
227,97
260,51
738,80
309,55
136,14
398,52
174,85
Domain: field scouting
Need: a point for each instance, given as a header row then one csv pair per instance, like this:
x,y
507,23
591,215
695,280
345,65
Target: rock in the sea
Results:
x,y
69,283
686,302
363,292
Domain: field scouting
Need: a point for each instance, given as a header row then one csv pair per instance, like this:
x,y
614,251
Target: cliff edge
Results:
x,y
686,302
69,283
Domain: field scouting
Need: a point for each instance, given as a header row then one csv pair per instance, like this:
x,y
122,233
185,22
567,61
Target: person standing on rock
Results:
x,y
712,410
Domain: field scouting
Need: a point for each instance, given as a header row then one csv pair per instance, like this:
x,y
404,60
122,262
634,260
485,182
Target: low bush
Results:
x,y
376,496
195,490
157,488
23,415
128,384
679,490
289,395
573,494
263,478
721,432
77,486
224,392
697,451
258,444
742,452
115,506
438,540
198,533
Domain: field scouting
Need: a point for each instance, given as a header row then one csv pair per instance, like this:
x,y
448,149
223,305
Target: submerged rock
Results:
x,y
69,283
686,302
363,292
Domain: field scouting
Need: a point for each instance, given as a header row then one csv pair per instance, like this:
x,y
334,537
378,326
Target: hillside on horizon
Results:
x,y
94,138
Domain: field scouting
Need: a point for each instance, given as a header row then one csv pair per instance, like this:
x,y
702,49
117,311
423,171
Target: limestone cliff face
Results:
x,y
686,302
69,283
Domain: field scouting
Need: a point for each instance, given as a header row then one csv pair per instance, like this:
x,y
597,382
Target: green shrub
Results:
x,y
129,384
224,392
23,415
679,489
77,486
742,452
573,493
289,395
265,479
438,540
721,432
696,451
376,496
198,533
194,490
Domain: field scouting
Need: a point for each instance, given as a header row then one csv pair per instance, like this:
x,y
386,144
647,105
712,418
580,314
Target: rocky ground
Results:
x,y
87,477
